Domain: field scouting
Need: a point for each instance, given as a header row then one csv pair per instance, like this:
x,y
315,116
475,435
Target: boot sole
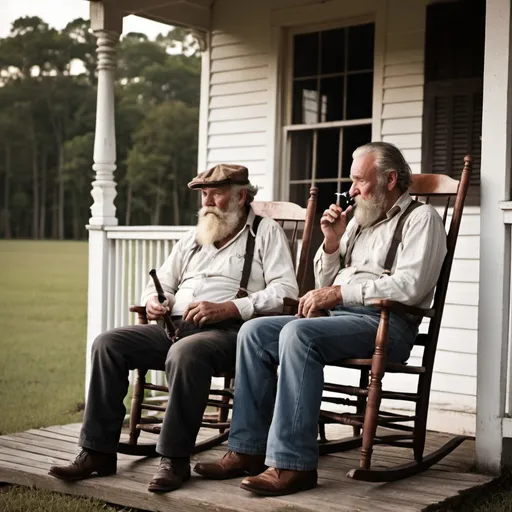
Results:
x,y
77,478
284,492
231,476
162,488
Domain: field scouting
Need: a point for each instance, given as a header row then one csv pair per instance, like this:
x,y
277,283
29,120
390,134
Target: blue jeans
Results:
x,y
287,433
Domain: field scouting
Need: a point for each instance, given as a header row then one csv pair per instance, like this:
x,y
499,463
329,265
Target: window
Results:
x,y
454,60
330,109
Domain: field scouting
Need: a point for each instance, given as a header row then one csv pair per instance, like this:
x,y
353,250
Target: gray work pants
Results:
x,y
189,365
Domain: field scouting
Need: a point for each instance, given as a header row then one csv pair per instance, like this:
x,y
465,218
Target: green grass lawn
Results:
x,y
43,312
43,309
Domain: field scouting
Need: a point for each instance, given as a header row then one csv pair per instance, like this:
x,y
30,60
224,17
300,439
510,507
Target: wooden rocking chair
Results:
x,y
294,220
369,394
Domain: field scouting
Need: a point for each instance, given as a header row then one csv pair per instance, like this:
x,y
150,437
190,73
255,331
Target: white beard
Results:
x,y
214,224
368,211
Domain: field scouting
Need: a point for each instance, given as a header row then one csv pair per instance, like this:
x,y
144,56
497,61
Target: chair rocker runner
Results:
x,y
369,394
294,220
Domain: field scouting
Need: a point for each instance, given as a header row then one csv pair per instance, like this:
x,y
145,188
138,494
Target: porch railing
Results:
x,y
133,251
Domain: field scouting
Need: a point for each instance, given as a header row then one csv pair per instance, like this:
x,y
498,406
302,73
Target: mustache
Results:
x,y
210,210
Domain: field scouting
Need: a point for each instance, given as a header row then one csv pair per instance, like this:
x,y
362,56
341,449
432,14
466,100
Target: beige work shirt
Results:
x,y
416,267
214,274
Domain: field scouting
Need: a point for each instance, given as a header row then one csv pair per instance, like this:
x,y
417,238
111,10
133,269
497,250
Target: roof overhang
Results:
x,y
194,14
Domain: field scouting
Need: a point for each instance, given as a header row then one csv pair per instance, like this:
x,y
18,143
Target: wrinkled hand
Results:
x,y
315,300
333,224
155,310
204,312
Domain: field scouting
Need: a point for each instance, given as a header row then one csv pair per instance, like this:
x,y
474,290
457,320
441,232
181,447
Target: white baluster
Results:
x,y
137,271
151,263
144,264
124,276
118,280
159,259
129,277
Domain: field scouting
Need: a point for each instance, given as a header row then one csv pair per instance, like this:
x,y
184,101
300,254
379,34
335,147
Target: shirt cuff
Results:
x,y
245,306
328,259
352,294
144,300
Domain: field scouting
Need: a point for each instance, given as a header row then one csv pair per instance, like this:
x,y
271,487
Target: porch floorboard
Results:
x,y
26,457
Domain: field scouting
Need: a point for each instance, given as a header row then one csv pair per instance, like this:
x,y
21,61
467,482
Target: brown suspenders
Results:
x,y
397,236
395,242
249,255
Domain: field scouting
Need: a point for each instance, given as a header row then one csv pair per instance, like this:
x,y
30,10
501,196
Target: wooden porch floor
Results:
x,y
25,458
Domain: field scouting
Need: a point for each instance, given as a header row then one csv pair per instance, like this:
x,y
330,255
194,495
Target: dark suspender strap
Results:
x,y
350,245
397,236
195,249
249,254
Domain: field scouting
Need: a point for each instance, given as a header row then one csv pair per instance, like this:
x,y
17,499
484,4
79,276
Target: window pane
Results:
x,y
305,54
327,153
305,102
299,193
360,47
353,137
326,195
301,148
333,51
359,96
331,99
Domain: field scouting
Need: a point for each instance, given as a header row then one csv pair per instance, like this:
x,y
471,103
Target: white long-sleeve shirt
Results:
x,y
214,274
416,267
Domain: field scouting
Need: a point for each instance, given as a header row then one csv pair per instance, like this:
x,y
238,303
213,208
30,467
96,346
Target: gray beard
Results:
x,y
368,211
214,224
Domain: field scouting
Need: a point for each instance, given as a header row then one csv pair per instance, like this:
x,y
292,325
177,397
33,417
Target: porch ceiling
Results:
x,y
185,13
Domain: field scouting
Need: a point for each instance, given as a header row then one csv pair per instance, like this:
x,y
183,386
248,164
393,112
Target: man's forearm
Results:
x,y
331,246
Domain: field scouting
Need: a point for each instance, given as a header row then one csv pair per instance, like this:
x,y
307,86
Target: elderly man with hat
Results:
x,y
203,280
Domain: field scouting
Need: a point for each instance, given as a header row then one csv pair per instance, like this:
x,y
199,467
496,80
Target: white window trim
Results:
x,y
285,101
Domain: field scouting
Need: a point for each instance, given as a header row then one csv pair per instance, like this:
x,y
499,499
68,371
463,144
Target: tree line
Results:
x,y
48,85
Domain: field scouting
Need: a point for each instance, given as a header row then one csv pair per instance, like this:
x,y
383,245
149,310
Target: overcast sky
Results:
x,y
57,13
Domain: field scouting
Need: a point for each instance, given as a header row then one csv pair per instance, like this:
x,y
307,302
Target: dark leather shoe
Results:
x,y
171,474
277,482
232,465
86,464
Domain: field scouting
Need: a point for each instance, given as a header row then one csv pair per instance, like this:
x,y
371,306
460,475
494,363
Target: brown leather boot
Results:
x,y
86,464
277,482
232,465
171,474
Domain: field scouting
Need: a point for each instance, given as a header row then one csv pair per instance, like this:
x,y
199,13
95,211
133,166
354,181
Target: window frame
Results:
x,y
286,102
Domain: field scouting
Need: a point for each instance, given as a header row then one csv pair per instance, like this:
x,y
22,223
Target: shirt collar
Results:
x,y
401,204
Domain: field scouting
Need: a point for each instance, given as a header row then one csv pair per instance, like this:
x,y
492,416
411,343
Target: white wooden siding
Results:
x,y
402,105
242,117
238,103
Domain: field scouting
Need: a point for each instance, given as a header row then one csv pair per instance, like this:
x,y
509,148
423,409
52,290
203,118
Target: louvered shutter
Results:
x,y
452,126
452,101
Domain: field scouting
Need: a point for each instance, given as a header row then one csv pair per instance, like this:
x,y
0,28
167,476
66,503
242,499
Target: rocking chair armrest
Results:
x,y
398,307
290,306
141,313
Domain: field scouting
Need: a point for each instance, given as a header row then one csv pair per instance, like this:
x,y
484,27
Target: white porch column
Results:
x,y
106,24
493,318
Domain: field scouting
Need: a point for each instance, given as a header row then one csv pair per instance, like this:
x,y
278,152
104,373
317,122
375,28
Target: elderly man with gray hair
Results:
x,y
355,265
210,292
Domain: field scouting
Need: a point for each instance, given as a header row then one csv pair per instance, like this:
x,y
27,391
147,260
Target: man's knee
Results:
x,y
184,354
103,343
295,334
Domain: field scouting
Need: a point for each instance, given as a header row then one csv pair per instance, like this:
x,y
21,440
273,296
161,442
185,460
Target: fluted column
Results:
x,y
106,24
